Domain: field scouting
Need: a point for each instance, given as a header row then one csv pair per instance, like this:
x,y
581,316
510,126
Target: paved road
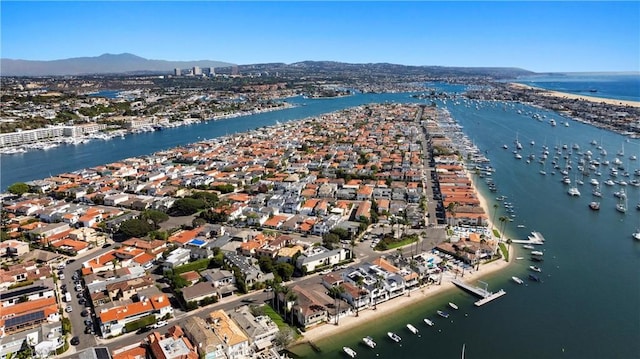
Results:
x,y
77,320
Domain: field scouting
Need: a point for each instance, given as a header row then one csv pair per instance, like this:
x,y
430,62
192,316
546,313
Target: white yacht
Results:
x,y
395,337
350,352
369,342
517,280
413,329
573,191
453,305
429,322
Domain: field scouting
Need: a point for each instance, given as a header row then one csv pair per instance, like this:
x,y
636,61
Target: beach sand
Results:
x,y
571,96
418,295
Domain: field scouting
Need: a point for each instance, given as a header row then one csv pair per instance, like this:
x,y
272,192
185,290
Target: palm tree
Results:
x,y
277,287
495,209
359,282
336,292
503,221
291,297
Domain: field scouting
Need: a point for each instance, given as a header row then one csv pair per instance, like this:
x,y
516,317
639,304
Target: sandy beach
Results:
x,y
416,296
570,96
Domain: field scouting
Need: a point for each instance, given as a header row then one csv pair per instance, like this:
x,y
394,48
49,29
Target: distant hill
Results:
x,y
103,64
333,68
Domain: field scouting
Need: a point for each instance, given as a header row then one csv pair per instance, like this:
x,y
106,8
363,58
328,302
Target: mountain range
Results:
x,y
131,64
103,64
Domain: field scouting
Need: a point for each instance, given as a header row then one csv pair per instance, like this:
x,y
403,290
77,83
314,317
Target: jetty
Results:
x,y
483,293
533,238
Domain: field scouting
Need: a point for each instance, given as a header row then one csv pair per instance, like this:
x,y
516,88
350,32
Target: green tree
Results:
x,y
266,264
187,206
284,270
154,216
135,228
18,188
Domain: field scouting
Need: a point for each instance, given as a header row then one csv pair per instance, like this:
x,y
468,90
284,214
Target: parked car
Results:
x,y
88,322
75,341
68,309
106,245
61,276
159,324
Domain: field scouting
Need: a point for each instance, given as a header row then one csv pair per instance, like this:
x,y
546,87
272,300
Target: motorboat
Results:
x,y
369,342
395,337
528,246
517,280
534,278
537,253
573,191
636,234
443,314
535,269
413,329
429,322
350,352
537,259
594,205
453,305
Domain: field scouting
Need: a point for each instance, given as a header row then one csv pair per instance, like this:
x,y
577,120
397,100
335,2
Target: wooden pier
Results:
x,y
484,294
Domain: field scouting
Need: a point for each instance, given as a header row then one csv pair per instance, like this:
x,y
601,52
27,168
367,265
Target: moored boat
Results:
x,y
429,322
537,253
443,314
453,305
517,280
350,352
413,329
395,337
534,277
535,269
594,205
369,342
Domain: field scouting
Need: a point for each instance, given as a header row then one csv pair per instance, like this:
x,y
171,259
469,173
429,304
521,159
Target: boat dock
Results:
x,y
484,294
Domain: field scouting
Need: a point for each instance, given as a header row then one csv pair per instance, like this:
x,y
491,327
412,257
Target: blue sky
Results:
x,y
538,36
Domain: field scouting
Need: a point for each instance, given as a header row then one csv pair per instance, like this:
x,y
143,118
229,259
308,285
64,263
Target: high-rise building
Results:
x,y
177,72
212,71
197,71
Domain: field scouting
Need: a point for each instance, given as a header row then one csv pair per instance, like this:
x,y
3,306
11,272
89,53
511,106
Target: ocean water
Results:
x,y
621,87
587,306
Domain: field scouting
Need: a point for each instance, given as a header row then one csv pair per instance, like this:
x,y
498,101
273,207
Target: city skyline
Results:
x,y
540,37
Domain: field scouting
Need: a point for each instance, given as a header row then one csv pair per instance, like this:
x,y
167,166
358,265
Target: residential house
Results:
x,y
235,343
